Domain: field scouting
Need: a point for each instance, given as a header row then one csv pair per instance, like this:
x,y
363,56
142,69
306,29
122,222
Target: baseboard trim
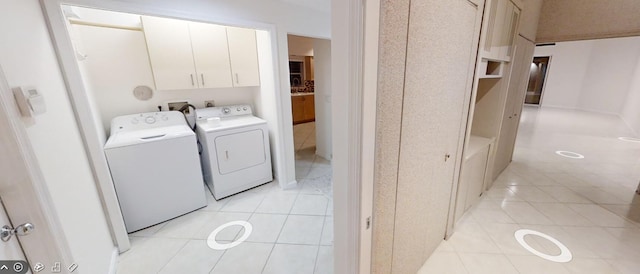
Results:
x,y
289,185
113,266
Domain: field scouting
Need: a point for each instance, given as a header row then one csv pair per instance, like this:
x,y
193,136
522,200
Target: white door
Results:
x,y
244,57
9,250
23,192
211,55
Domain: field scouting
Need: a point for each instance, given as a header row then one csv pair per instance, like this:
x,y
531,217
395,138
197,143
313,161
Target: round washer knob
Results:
x,y
150,120
238,109
244,108
226,110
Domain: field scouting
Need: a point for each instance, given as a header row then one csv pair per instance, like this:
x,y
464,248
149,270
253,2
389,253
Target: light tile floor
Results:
x,y
589,205
292,229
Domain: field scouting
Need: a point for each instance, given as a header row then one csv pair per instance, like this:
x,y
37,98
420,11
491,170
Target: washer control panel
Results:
x,y
146,120
223,111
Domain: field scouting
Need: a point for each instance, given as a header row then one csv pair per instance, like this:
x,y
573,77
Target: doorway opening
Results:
x,y
537,76
310,81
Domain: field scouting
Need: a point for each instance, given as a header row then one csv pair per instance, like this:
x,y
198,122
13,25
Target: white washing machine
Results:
x,y
235,149
154,163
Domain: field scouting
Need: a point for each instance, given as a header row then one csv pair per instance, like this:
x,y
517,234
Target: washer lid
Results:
x,y
229,123
128,138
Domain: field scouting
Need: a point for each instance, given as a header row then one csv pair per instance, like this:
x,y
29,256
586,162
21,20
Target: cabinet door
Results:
x,y
494,37
510,30
297,108
244,57
309,108
170,53
515,98
211,55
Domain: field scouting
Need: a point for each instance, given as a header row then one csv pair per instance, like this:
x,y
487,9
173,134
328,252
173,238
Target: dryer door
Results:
x,y
240,150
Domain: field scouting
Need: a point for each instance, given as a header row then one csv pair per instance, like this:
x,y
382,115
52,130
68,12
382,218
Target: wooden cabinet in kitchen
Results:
x,y
190,55
303,108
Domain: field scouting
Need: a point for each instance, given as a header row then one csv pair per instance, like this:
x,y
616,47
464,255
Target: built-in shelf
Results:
x,y
477,144
490,69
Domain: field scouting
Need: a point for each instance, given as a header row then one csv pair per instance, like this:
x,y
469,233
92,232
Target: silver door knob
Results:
x,y
6,232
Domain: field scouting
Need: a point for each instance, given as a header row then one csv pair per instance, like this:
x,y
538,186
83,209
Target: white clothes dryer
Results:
x,y
235,149
154,163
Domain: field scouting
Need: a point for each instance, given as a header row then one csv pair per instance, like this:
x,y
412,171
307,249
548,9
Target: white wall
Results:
x,y
117,62
322,82
566,73
300,46
631,111
277,16
28,58
592,75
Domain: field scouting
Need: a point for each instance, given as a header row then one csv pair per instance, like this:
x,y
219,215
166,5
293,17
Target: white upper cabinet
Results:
x,y
170,53
244,57
189,55
500,25
211,55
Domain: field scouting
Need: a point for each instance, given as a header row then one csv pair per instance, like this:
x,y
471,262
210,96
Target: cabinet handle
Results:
x,y
237,79
202,76
226,152
192,82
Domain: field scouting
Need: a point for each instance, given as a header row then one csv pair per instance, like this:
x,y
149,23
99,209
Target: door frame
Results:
x,y
353,136
25,194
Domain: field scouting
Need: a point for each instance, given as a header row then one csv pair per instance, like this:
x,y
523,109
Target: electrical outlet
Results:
x,y
178,105
209,103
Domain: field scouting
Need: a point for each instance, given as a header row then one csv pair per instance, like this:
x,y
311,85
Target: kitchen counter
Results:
x,y
301,93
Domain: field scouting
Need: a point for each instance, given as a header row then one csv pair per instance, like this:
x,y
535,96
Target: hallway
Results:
x,y
587,204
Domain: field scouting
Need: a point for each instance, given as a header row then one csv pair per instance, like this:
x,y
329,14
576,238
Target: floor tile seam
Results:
x,y
504,255
465,267
273,246
607,210
315,262
174,255
572,210
486,232
283,224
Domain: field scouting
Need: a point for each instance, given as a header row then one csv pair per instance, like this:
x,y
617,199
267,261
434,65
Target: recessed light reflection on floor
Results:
x,y
570,154
565,253
213,244
629,139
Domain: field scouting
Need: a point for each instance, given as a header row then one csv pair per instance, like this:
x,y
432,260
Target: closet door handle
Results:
x,y
192,82
202,76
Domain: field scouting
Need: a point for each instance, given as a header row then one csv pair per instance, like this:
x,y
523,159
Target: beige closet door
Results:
x,y
441,54
515,99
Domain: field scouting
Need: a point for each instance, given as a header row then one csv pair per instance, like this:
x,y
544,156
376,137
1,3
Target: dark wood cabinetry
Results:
x,y
303,108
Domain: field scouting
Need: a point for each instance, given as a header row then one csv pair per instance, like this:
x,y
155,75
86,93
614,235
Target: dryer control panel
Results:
x,y
223,111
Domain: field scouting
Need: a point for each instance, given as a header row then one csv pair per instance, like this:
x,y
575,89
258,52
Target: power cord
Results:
x,y
185,107
182,109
